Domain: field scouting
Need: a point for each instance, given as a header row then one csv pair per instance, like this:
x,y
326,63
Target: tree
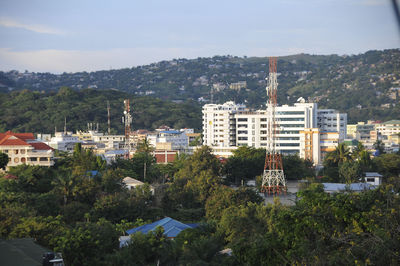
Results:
x,y
225,197
379,146
297,168
87,243
246,163
3,160
339,155
388,164
350,172
145,146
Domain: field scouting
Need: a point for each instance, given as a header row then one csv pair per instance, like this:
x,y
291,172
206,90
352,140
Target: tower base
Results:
x,y
273,182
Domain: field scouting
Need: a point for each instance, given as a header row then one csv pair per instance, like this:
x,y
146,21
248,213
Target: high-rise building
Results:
x,y
233,125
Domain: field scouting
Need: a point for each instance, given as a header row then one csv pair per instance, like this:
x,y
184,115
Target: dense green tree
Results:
x,y
388,164
225,197
379,146
87,243
246,163
143,249
297,168
350,172
3,160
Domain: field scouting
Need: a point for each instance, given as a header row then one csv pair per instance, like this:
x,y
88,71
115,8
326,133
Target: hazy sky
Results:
x,y
83,35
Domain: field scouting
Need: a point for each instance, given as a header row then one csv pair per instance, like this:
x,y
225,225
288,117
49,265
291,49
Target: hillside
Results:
x,y
32,111
366,86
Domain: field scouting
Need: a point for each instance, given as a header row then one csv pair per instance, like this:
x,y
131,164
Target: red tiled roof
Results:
x,y
40,146
12,140
24,136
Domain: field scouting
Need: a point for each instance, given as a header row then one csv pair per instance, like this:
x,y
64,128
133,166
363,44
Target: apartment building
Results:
x,y
219,124
389,128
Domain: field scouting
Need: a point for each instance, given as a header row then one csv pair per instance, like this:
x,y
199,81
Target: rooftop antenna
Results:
x,y
109,120
273,179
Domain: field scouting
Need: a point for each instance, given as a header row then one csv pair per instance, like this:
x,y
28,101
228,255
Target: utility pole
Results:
x,y
65,125
273,179
109,118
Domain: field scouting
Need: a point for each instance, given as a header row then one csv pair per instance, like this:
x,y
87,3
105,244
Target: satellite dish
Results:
x,y
301,100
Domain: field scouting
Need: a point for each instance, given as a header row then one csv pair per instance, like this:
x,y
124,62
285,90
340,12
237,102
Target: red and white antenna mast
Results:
x,y
273,180
127,119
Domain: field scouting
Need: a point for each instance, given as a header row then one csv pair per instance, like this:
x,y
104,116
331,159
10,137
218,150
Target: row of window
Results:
x,y
14,151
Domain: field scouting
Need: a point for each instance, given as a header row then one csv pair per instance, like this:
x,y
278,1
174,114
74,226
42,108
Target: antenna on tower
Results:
x,y
273,179
109,120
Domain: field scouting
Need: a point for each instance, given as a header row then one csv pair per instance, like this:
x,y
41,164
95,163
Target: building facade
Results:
x,y
23,148
232,125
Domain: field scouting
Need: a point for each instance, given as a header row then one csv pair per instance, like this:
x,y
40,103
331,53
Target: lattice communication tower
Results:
x,y
273,179
127,120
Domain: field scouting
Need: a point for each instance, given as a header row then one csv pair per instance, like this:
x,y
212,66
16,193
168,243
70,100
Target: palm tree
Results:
x,y
358,150
64,183
339,155
145,146
365,161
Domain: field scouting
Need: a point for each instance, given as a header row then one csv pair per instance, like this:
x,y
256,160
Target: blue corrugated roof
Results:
x,y
352,187
171,132
171,227
372,174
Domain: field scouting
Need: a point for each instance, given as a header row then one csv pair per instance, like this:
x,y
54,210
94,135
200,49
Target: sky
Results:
x,y
87,35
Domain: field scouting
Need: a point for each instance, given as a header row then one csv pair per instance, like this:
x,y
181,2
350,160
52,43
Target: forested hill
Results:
x,y
365,85
39,112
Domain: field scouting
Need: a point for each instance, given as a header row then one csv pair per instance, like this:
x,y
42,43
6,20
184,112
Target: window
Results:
x,y
290,113
242,120
242,138
289,144
291,119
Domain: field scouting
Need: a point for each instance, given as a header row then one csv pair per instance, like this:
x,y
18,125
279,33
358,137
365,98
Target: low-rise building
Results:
x,y
23,148
389,128
63,141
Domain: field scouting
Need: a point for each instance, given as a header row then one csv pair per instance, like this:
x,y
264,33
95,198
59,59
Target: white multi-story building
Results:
x,y
219,124
63,141
22,148
330,120
174,139
389,128
230,125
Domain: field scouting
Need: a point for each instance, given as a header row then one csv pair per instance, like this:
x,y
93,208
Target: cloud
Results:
x,y
10,23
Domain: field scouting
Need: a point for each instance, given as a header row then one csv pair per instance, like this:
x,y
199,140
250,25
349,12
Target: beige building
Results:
x,y
22,148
